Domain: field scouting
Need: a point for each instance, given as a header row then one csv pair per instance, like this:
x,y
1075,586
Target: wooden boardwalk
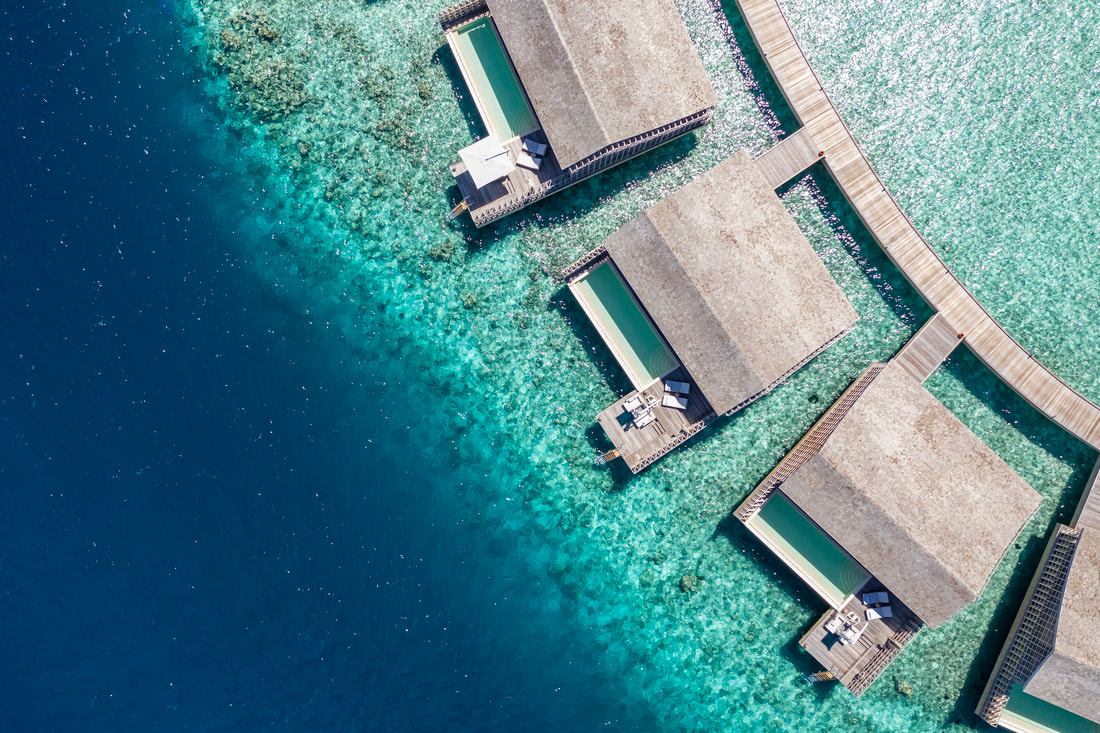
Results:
x,y
794,154
933,343
1088,511
896,235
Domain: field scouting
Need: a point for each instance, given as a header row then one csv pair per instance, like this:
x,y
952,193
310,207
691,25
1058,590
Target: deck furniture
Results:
x,y
677,387
634,403
533,147
880,612
528,161
675,402
871,599
851,632
643,419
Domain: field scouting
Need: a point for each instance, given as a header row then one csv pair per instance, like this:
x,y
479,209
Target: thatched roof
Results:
x,y
601,71
1070,676
914,496
731,282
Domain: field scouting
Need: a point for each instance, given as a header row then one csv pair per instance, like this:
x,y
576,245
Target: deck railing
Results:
x,y
885,655
1033,637
578,266
460,12
599,161
810,444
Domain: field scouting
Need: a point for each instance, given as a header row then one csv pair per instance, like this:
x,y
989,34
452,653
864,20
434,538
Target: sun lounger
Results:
x,y
533,147
634,403
677,387
675,402
531,163
881,612
834,625
644,419
871,599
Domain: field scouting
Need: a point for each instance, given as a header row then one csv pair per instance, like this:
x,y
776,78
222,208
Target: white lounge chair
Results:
x,y
533,147
634,403
880,612
871,599
850,634
834,625
675,402
677,387
640,421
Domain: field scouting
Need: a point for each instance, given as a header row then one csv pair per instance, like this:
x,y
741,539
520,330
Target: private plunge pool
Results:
x,y
625,329
488,73
807,550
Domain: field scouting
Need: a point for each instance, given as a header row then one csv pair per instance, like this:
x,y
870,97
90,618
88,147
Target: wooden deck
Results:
x,y
640,447
933,343
857,665
520,187
900,240
794,154
1088,511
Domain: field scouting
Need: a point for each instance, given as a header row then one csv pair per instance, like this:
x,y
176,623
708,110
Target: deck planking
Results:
x,y
899,238
794,154
854,665
933,343
639,447
519,186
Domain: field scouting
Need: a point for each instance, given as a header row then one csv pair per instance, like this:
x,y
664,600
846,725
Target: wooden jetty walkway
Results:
x,y
933,343
900,240
792,155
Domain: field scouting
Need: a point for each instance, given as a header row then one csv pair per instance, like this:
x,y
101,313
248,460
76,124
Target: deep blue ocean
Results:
x,y
211,519
281,449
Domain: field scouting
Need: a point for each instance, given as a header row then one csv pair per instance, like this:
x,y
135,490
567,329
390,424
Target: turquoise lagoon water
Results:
x,y
345,117
983,119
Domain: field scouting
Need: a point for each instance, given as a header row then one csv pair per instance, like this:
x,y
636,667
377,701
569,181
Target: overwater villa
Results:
x,y
568,89
894,513
1047,677
708,300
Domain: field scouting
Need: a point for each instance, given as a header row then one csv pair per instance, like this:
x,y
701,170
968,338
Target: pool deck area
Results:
x,y
857,665
897,236
520,188
639,447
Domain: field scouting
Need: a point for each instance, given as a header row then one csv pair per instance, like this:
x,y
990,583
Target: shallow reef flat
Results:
x,y
345,117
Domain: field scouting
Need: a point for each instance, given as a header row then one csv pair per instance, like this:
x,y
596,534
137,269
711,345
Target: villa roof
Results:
x,y
915,497
1070,676
731,282
601,71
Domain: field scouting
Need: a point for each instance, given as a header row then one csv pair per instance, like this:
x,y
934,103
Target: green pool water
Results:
x,y
496,90
623,326
817,557
1040,715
